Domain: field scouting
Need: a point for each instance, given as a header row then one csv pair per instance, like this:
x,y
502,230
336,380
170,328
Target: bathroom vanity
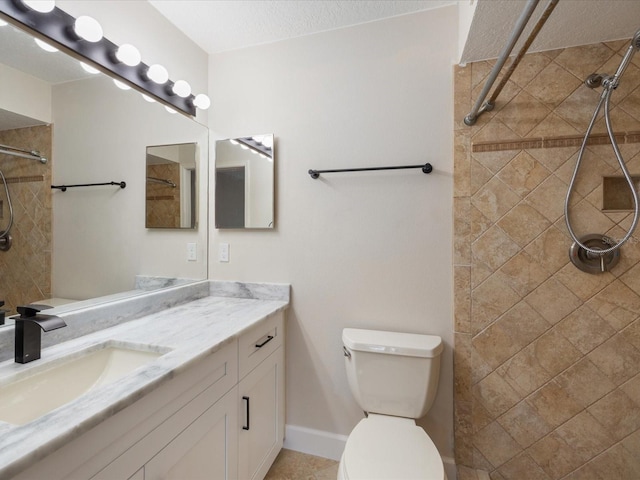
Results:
x,y
208,395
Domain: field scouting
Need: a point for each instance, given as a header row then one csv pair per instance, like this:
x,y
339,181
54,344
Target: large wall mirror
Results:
x,y
87,242
171,192
245,182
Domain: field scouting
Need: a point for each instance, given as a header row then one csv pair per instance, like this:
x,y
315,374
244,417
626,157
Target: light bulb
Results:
x,y
182,89
3,23
89,68
121,85
45,46
170,110
202,101
42,6
128,54
88,29
158,74
147,98
233,142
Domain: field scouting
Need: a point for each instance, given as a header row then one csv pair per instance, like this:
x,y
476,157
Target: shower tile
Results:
x,y
494,199
462,299
577,109
494,248
529,68
552,85
618,462
617,359
495,395
553,404
584,60
524,424
461,165
490,300
550,250
589,176
632,334
523,372
583,285
522,273
586,472
554,456
554,352
585,329
617,413
523,173
523,113
585,383
495,444
462,230
480,175
556,127
548,198
509,334
523,466
616,303
585,435
553,301
523,223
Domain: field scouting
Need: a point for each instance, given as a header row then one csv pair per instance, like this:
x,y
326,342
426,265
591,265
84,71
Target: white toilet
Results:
x,y
394,378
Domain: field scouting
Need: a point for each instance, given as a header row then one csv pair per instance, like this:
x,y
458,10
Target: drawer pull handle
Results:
x,y
246,427
269,338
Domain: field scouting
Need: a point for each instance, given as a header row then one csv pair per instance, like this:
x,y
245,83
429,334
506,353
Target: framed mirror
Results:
x,y
245,182
171,186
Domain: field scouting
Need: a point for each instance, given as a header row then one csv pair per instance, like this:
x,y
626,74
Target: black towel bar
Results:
x,y
426,168
64,187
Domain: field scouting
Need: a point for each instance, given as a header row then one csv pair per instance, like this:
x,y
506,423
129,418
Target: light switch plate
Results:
x,y
223,253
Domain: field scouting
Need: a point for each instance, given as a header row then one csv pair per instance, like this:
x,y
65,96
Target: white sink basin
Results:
x,y
29,396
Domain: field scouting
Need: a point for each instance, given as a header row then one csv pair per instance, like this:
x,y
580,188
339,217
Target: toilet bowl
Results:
x,y
393,377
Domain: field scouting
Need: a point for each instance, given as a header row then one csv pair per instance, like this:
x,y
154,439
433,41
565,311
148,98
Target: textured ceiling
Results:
x,y
572,23
222,25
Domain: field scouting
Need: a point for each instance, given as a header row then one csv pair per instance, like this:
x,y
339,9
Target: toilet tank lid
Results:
x,y
393,343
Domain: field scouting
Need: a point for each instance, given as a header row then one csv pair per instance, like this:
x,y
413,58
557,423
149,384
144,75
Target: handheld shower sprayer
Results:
x,y
589,254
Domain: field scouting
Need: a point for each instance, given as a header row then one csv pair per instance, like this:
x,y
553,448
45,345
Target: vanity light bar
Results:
x,y
57,26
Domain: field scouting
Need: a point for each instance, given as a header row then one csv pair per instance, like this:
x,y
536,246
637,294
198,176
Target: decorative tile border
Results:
x,y
26,179
554,142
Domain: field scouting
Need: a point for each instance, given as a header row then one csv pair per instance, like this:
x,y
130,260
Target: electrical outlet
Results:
x,y
223,253
192,254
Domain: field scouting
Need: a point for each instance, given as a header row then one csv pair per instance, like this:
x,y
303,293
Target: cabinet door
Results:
x,y
202,451
261,417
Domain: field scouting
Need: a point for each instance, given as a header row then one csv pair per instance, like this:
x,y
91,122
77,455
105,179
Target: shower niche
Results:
x,y
616,196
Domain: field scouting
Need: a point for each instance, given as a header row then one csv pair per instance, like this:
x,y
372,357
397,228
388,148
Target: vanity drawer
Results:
x,y
258,343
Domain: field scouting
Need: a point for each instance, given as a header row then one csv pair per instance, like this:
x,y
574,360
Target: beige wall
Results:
x,y
366,250
547,357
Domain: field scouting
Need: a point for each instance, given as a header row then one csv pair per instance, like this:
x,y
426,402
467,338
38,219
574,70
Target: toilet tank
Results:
x,y
392,373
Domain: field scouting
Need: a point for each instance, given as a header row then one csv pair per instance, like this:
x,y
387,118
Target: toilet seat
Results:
x,y
382,447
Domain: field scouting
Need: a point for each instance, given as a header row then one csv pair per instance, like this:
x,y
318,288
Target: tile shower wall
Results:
x,y
547,358
25,269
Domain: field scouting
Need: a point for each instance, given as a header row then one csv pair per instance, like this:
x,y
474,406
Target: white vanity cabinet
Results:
x,y
261,398
191,427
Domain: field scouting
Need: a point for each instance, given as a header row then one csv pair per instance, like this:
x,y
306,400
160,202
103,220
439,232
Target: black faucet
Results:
x,y
28,326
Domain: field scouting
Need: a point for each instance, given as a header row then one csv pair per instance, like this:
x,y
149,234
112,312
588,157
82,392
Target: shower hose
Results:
x,y
4,233
609,84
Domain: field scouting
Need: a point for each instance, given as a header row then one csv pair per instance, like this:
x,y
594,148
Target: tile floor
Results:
x,y
292,465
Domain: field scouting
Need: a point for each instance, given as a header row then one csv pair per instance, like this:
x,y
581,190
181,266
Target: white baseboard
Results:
x,y
331,445
314,442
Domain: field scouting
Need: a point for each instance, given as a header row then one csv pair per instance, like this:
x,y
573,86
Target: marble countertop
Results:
x,y
189,332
